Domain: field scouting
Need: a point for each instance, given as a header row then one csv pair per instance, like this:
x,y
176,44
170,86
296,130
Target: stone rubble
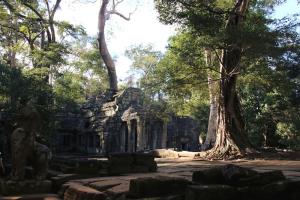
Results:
x,y
227,182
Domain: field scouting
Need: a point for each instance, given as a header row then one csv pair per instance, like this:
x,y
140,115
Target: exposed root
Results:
x,y
229,152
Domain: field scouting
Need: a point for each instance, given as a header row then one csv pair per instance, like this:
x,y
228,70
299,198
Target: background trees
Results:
x,y
50,62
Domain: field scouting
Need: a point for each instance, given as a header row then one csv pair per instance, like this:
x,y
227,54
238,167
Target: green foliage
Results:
x,y
52,55
17,87
85,77
173,80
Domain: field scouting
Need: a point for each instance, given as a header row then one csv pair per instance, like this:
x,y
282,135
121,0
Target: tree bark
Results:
x,y
108,61
231,139
213,101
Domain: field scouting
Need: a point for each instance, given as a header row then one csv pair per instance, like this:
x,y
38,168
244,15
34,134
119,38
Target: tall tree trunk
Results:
x,y
109,63
231,139
213,101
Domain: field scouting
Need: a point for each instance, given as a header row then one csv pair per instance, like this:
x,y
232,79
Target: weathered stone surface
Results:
x,y
209,176
9,187
236,176
165,153
281,190
114,169
59,180
211,192
172,197
121,158
143,158
104,185
85,166
187,154
268,177
118,192
32,197
144,163
80,192
122,163
249,193
157,186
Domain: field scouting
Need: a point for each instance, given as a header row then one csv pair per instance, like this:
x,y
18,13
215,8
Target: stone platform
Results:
x,y
181,179
174,176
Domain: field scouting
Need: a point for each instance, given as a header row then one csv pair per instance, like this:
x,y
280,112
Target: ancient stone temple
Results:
x,y
120,123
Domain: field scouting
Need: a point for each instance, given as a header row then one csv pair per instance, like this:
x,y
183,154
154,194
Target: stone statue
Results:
x,y
24,149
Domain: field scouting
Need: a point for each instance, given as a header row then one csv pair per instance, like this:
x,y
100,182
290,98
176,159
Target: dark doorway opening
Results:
x,y
134,134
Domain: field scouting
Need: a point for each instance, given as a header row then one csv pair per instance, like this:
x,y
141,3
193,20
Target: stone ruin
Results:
x,y
111,135
227,182
123,123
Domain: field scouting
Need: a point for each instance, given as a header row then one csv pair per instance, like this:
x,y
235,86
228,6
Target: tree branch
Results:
x,y
55,9
13,10
33,10
115,3
120,14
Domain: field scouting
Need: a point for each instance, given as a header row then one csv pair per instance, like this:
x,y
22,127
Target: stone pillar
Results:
x,y
140,135
129,147
122,138
164,135
94,143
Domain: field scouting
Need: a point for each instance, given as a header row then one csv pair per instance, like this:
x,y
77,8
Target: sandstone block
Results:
x,y
158,186
165,153
209,176
211,192
80,192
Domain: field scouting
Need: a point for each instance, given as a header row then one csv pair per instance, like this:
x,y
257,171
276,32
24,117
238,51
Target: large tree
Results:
x,y
232,29
222,22
104,15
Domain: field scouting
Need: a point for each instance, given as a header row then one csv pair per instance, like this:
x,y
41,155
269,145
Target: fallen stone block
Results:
x,y
172,197
115,169
118,192
187,154
157,186
209,176
210,192
234,175
143,158
80,192
120,159
165,153
59,180
288,190
269,177
105,184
